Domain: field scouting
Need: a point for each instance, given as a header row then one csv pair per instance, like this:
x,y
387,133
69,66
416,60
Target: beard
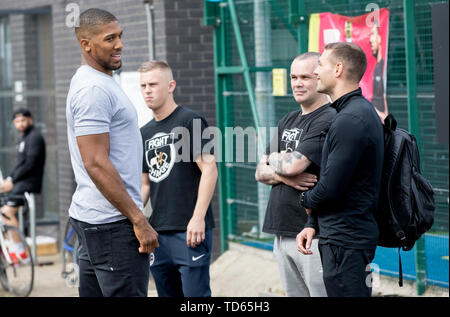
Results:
x,y
108,66
112,67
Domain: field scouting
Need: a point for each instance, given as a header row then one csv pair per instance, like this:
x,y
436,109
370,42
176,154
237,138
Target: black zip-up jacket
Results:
x,y
29,169
346,195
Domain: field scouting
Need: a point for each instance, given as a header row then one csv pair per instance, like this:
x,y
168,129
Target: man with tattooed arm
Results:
x,y
292,167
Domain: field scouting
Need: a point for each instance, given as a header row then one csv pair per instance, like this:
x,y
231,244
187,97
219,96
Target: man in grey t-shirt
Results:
x,y
106,153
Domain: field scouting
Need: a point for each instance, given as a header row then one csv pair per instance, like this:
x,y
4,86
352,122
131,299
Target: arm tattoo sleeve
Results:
x,y
281,162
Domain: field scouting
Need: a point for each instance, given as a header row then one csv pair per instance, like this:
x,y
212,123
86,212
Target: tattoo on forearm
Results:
x,y
275,162
297,155
283,160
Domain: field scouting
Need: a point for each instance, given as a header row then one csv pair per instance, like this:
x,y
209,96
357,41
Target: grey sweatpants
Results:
x,y
301,275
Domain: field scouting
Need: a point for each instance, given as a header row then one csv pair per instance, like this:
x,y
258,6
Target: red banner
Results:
x,y
371,32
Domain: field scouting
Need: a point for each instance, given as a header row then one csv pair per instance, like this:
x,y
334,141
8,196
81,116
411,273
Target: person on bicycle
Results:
x,y
26,176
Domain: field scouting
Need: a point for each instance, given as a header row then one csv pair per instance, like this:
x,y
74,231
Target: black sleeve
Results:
x,y
144,158
199,137
312,222
34,149
312,143
347,141
16,168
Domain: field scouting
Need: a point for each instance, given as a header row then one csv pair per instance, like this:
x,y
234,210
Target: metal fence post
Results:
x,y
413,123
297,16
220,84
243,58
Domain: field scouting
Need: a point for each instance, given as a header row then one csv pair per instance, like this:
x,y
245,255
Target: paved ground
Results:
x,y
242,271
246,271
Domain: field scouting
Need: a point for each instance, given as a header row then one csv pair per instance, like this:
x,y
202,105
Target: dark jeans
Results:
x,y
109,261
346,271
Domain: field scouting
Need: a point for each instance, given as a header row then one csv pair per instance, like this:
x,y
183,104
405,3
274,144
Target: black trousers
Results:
x,y
346,272
109,261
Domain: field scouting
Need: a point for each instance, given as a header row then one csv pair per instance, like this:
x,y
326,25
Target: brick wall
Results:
x,y
186,44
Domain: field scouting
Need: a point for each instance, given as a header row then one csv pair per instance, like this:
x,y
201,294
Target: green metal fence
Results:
x,y
254,36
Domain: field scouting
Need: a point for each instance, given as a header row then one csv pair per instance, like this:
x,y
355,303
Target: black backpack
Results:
x,y
406,204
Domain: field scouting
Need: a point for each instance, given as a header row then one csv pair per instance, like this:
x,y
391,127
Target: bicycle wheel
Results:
x,y
69,255
17,277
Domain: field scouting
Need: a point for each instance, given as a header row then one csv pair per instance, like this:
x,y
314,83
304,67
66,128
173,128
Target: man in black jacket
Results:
x,y
342,204
26,176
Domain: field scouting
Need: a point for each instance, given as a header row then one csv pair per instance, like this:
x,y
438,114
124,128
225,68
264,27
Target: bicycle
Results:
x,y
16,277
70,255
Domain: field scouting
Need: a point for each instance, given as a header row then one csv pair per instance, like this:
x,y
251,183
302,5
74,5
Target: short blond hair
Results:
x,y
154,64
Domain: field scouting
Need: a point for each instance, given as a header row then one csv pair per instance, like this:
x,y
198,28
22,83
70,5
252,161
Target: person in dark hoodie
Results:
x,y
26,176
341,206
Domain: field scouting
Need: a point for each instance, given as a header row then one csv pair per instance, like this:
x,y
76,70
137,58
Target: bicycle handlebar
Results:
x,y
5,196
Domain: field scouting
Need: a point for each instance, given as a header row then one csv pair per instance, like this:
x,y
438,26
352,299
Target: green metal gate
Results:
x,y
253,37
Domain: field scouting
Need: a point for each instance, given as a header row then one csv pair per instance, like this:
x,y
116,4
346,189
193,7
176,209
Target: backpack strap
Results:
x,y
400,270
390,122
412,228
398,230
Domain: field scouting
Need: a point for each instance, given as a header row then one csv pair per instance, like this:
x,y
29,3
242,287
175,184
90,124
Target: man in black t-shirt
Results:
x,y
26,176
180,178
291,167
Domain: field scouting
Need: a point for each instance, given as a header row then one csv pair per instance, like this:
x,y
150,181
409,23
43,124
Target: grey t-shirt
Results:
x,y
96,104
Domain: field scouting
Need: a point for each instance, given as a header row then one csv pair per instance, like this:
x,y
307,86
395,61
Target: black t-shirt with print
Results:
x,y
304,134
170,148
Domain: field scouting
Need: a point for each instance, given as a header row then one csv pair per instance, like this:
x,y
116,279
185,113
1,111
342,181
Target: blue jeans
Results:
x,y
109,261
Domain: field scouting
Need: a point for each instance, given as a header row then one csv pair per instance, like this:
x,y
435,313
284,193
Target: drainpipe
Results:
x,y
263,92
149,13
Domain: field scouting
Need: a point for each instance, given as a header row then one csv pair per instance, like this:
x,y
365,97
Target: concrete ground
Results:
x,y
242,271
246,271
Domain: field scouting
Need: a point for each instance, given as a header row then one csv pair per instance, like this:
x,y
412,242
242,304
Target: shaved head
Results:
x,y
89,20
306,56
